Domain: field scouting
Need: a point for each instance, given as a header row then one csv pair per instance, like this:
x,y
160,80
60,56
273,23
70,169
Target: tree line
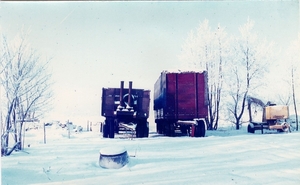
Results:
x,y
237,67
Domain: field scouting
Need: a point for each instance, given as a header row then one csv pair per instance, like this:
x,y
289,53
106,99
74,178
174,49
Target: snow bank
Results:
x,y
222,157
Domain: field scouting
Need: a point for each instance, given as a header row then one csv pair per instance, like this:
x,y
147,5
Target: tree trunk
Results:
x,y
12,149
294,99
20,136
237,124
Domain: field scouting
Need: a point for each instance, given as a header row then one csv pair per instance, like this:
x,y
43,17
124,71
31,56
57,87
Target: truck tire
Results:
x,y
250,129
142,129
159,127
146,133
169,129
106,129
116,126
111,124
200,129
138,130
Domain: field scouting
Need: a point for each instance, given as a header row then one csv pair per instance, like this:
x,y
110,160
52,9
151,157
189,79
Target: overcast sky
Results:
x,y
98,44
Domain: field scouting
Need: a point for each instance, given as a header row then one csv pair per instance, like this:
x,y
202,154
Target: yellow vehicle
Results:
x,y
273,118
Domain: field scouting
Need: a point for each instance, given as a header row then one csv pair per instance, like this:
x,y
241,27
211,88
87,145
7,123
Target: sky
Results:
x,y
97,44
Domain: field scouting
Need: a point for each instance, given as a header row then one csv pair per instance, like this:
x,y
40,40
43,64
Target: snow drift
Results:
x,y
222,157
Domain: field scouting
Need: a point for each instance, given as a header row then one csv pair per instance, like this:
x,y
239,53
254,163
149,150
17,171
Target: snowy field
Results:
x,y
225,156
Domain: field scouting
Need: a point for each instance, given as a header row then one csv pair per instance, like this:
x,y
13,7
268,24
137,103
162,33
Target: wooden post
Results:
x,y
87,125
69,129
44,133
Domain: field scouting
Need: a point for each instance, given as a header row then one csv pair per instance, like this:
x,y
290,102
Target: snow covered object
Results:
x,y
113,157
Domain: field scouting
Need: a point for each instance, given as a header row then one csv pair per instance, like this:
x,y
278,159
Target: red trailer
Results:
x,y
180,103
125,107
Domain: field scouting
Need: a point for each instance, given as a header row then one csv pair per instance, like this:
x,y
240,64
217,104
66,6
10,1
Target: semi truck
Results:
x,y
125,108
180,103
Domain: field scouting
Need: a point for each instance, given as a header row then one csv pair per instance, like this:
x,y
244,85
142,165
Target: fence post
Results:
x,y
69,129
87,126
44,133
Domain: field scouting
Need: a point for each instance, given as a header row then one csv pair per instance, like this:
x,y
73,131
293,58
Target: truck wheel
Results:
x,y
250,129
111,125
200,129
170,130
146,132
141,129
163,128
138,130
106,129
116,126
159,128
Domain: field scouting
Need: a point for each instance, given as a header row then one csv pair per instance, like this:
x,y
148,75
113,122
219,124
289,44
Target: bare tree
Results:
x,y
207,50
293,56
284,96
26,83
222,50
294,95
247,69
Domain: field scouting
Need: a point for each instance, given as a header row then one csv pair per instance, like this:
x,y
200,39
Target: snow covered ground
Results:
x,y
225,156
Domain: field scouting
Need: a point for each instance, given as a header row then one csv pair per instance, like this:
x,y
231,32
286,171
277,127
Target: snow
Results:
x,y
225,156
112,150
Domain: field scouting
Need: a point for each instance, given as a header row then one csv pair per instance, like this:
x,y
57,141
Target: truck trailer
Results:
x,y
125,108
180,103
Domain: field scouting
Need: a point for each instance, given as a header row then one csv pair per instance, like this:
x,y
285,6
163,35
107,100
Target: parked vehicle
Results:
x,y
274,117
180,103
125,108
